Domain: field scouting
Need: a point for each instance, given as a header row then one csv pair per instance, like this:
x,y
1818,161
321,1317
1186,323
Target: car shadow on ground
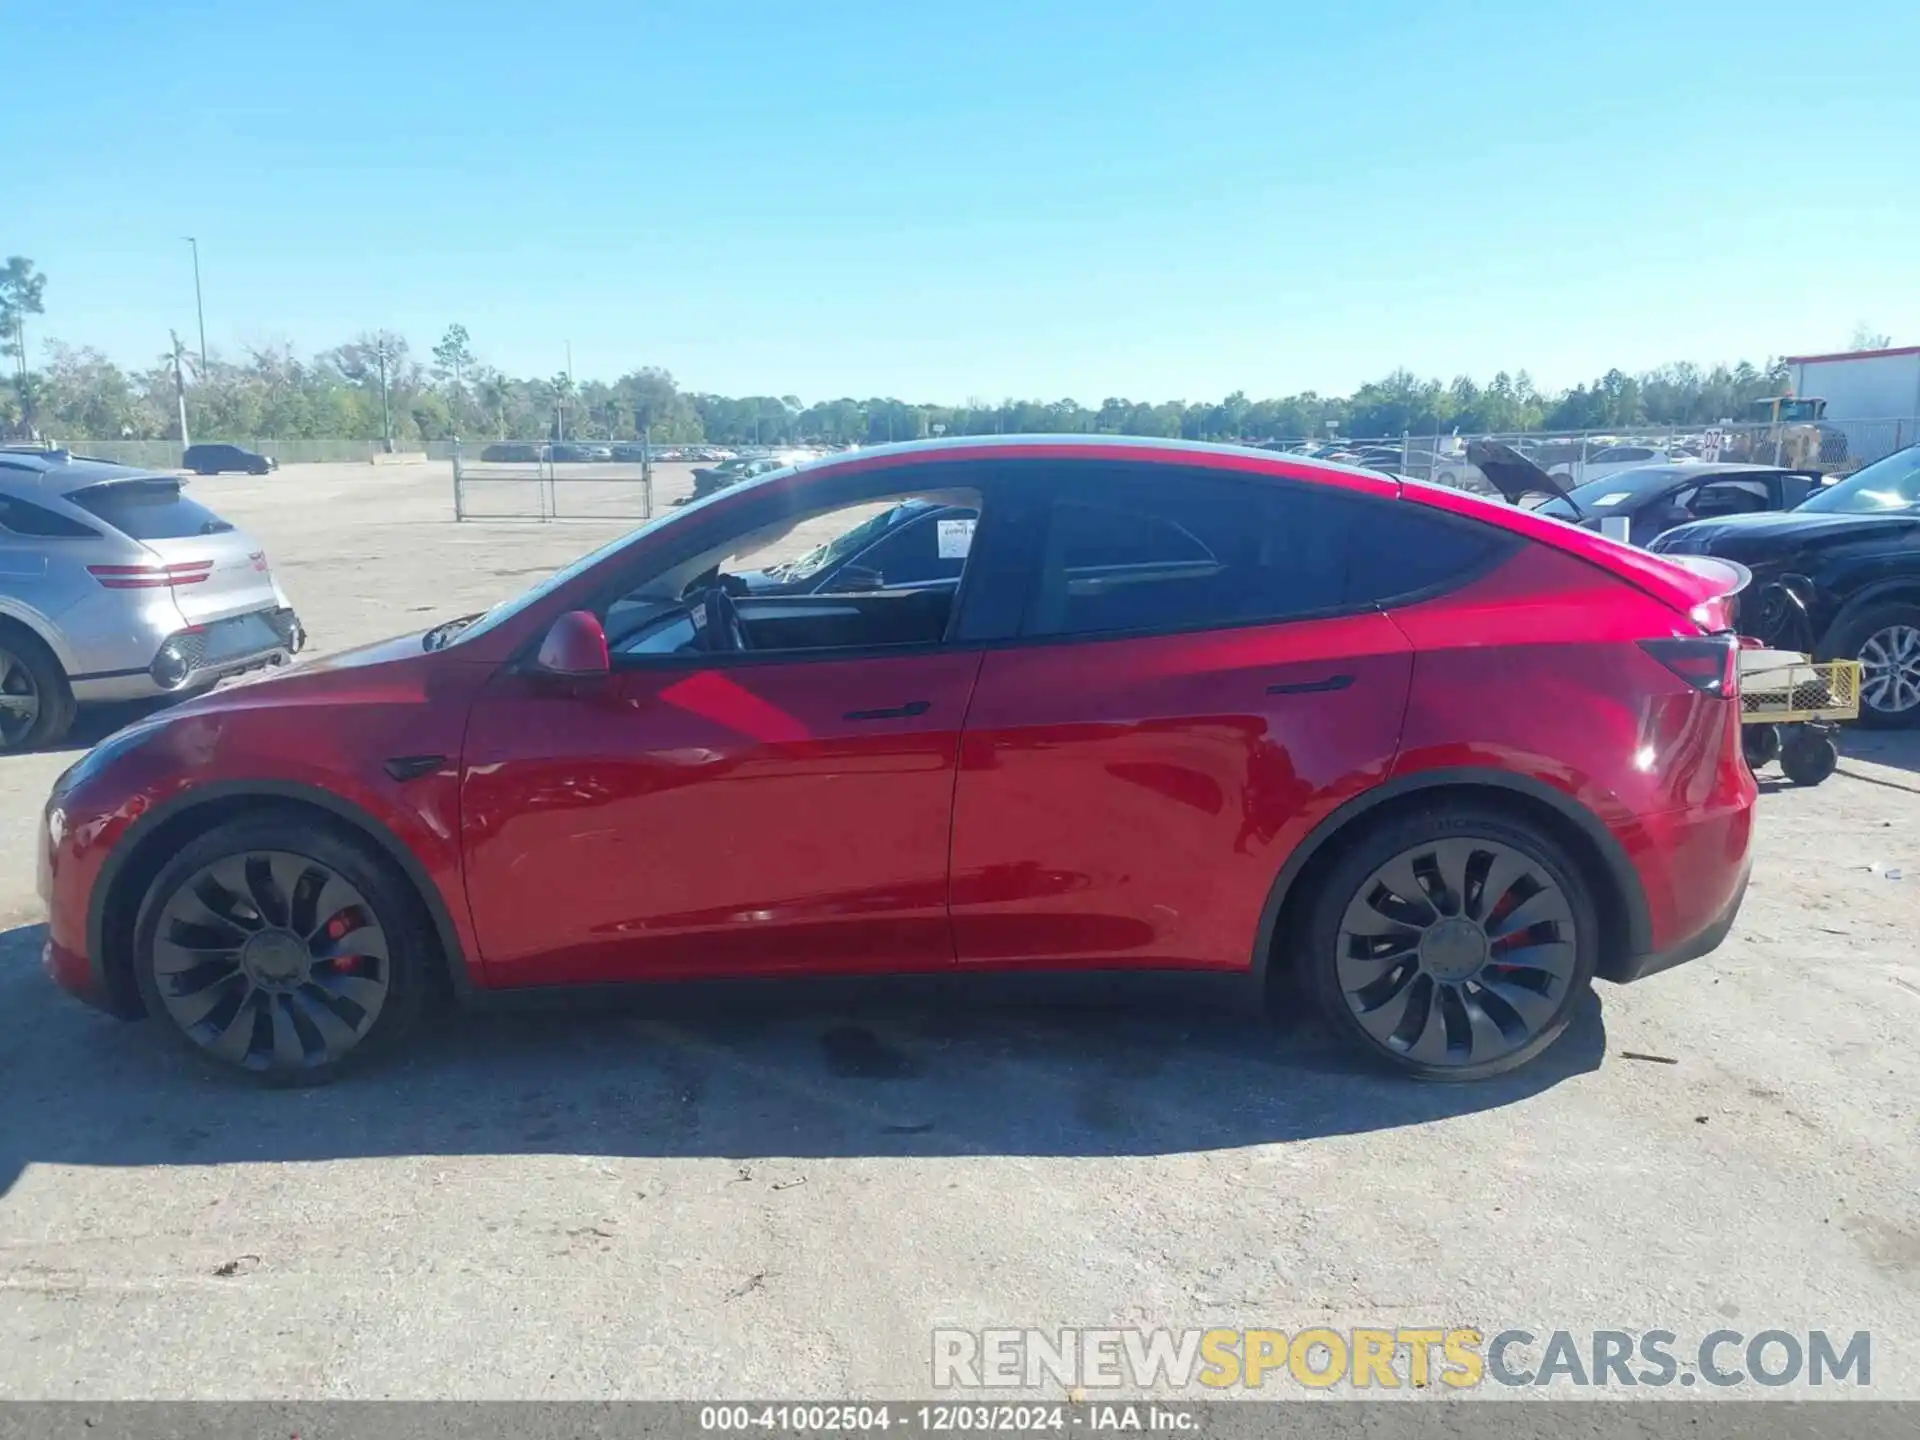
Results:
x,y
977,1065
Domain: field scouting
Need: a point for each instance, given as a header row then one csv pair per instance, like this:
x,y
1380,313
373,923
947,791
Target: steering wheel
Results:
x,y
722,627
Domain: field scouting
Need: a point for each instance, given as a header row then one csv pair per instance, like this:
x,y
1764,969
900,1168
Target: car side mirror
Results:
x,y
576,646
858,577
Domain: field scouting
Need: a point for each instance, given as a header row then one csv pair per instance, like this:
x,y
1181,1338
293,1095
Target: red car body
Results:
x,y
1141,800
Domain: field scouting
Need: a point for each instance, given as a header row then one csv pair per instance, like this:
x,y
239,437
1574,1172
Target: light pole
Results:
x,y
199,306
386,415
180,390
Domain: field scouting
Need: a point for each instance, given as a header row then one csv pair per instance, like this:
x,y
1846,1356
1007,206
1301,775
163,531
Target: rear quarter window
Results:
x,y
150,510
1400,551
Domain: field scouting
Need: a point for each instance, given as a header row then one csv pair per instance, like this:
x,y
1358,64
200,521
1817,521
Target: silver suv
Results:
x,y
115,585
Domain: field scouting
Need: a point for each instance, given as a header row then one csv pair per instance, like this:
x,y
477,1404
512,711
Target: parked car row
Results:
x,y
522,452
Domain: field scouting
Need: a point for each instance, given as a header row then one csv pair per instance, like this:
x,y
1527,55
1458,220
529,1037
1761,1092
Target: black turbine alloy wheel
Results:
x,y
1452,946
271,961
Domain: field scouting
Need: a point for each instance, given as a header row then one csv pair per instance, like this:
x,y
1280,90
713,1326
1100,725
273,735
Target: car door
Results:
x,y
700,814
1201,676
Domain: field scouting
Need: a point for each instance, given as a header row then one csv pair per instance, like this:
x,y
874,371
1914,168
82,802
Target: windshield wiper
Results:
x,y
438,637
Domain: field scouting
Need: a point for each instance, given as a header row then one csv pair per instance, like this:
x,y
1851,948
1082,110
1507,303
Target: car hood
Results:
x,y
1772,530
364,669
1512,474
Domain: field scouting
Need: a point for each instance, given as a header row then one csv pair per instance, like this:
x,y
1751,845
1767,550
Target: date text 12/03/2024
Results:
x,y
946,1418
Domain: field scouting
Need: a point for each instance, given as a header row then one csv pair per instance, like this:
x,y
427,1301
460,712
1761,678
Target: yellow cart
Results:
x,y
1791,709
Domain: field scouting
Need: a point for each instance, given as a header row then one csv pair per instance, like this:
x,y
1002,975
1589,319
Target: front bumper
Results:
x,y
62,957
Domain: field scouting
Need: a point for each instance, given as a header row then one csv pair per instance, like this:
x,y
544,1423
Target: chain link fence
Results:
x,y
536,480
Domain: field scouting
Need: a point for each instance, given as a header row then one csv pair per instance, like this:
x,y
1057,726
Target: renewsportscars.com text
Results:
x,y
1368,1359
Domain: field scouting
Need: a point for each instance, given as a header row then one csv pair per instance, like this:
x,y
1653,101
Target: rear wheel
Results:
x,y
36,703
1885,639
1451,944
281,948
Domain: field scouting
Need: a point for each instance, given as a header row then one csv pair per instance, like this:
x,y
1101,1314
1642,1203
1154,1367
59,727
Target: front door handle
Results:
x,y
899,712
1312,687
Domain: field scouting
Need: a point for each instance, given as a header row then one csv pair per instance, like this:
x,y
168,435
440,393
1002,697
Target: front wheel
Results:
x,y
1451,944
282,948
1885,639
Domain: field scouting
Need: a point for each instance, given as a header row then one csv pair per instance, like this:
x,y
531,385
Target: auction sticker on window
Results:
x,y
956,538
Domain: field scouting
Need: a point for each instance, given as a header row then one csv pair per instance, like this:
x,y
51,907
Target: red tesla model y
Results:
x,y
1433,762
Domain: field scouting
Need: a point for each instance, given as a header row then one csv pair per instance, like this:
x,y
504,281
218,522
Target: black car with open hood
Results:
x,y
1837,577
1651,498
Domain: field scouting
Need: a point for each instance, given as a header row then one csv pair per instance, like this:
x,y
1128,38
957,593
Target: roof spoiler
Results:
x,y
1515,476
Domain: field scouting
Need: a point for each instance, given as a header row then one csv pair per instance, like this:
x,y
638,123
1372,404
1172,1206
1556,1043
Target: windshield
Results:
x,y
1610,492
507,609
1889,484
821,557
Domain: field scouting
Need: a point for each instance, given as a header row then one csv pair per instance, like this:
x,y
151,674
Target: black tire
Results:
x,y
1808,759
1857,639
41,675
1507,840
396,913
1760,744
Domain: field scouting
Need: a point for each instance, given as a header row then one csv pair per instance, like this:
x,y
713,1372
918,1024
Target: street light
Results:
x,y
199,307
380,352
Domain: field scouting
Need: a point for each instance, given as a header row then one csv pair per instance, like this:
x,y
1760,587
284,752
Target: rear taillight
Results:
x,y
151,577
1715,614
1709,663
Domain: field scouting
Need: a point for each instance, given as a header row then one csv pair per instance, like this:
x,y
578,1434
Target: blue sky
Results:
x,y
1131,197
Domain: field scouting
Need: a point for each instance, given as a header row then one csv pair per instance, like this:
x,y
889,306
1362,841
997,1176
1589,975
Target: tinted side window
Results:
x,y
149,510
21,517
1401,550
1171,550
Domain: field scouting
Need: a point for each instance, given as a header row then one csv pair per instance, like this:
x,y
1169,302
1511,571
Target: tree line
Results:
x,y
374,386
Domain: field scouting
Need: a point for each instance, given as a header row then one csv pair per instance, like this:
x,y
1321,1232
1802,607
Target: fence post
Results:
x,y
459,512
1406,451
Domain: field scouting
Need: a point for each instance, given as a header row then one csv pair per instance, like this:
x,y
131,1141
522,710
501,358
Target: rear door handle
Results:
x,y
899,712
1312,687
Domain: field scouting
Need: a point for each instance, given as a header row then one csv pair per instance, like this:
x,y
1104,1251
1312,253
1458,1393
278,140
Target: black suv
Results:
x,y
1838,576
216,459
